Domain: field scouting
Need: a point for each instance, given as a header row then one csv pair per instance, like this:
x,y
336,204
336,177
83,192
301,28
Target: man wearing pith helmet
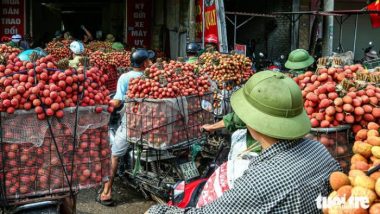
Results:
x,y
291,172
298,61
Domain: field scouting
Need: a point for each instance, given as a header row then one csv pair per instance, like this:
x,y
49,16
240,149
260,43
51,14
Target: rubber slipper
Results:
x,y
100,190
107,203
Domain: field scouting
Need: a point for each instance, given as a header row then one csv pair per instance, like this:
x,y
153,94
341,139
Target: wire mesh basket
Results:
x,y
338,142
163,123
33,167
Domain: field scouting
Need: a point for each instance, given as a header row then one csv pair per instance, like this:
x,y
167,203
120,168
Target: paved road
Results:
x,y
128,202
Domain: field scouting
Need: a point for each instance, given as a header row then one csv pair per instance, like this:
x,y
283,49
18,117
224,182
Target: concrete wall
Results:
x,y
45,20
177,24
158,29
113,19
365,32
272,35
304,27
280,37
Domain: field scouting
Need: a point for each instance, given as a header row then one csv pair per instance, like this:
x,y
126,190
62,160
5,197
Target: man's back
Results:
x,y
285,178
290,176
123,83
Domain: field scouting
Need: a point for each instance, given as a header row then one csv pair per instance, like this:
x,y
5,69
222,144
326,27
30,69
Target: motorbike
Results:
x,y
264,63
277,65
51,205
260,62
155,172
186,195
369,53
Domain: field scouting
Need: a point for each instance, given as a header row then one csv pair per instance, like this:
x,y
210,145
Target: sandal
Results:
x,y
107,203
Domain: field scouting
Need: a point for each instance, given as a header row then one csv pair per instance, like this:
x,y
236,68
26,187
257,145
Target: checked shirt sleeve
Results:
x,y
240,199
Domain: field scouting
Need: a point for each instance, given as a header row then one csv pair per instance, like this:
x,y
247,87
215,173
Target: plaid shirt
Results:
x,y
285,178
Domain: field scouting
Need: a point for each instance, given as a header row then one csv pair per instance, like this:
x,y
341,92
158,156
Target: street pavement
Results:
x,y
128,201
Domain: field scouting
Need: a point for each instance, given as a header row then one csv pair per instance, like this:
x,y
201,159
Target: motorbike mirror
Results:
x,y
261,54
282,57
370,43
178,192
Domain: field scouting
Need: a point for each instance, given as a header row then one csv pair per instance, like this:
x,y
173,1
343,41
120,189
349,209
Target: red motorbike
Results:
x,y
186,194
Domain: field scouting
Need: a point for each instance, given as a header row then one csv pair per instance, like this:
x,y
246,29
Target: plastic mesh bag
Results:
x,y
347,58
24,127
33,167
166,122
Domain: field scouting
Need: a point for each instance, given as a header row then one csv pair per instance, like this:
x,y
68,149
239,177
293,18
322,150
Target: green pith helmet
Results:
x,y
299,59
110,38
271,103
117,46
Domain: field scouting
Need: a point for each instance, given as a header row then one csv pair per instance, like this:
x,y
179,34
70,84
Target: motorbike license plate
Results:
x,y
189,170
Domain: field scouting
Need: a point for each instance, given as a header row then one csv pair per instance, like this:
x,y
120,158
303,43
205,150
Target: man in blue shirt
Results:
x,y
140,60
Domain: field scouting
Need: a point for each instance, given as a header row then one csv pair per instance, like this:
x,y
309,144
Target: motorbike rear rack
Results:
x,y
164,155
174,147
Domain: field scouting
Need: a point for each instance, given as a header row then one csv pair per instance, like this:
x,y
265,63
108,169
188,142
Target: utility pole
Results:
x,y
295,24
328,28
192,23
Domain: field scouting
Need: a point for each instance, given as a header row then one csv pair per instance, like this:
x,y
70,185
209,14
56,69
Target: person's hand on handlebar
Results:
x,y
213,127
207,128
115,103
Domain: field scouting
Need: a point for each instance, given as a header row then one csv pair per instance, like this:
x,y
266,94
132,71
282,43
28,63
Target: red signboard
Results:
x,y
139,22
12,17
240,49
211,26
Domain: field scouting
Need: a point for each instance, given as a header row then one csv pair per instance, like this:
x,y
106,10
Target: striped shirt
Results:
x,y
288,177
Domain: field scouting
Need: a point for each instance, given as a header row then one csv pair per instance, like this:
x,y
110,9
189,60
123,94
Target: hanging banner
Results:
x,y
198,19
211,26
213,15
139,23
12,17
